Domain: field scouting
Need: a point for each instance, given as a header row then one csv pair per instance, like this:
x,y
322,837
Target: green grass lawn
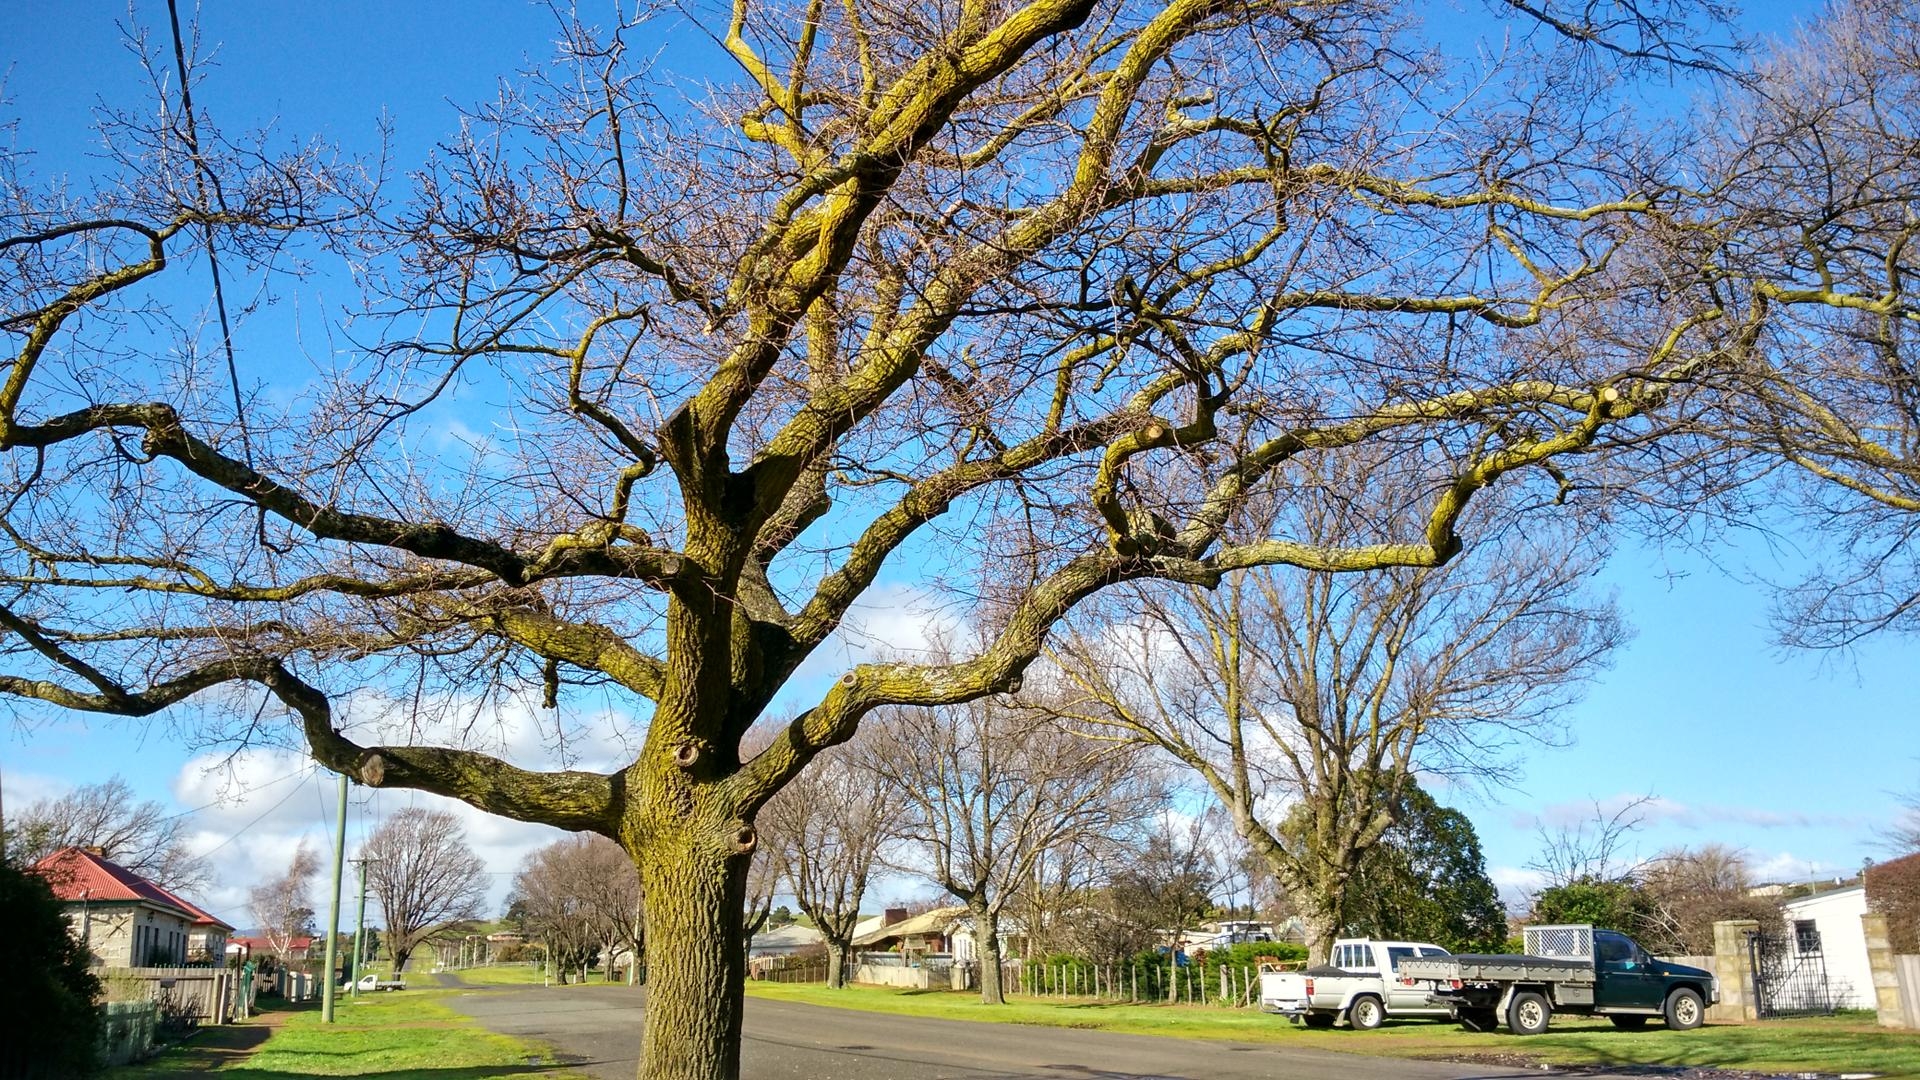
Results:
x,y
399,1036
1832,1045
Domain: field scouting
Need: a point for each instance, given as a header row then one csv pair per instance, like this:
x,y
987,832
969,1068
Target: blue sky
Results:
x,y
1793,757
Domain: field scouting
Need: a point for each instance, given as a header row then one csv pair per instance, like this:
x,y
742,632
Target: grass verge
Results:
x,y
408,1035
1840,1044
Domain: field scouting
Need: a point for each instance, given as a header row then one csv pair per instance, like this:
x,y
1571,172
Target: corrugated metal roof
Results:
x,y
77,874
932,922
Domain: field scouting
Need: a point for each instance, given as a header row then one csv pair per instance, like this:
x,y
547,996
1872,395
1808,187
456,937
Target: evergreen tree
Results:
x,y
48,997
1426,880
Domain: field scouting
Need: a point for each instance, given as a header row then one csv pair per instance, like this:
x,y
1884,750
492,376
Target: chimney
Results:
x,y
893,915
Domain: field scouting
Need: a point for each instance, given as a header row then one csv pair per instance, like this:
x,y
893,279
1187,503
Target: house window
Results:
x,y
1806,937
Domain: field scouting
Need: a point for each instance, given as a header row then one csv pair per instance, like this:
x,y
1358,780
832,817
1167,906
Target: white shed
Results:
x,y
1828,923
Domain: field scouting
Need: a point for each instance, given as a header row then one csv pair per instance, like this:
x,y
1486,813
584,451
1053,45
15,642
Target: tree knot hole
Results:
x,y
686,755
744,839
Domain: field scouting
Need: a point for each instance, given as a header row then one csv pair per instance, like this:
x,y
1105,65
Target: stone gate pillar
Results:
x,y
1886,982
1733,966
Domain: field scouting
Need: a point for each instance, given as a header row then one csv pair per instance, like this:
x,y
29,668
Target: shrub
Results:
x,y
48,998
1893,890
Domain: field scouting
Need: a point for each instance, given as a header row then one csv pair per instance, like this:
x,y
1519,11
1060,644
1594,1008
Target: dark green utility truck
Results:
x,y
1574,969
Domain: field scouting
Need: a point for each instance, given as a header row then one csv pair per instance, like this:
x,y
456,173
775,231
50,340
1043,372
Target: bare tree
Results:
x,y
282,907
1811,231
1693,888
1598,847
1311,697
831,822
609,887
987,790
425,876
913,284
552,889
1902,835
1168,885
138,834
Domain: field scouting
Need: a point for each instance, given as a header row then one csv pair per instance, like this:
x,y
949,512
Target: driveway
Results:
x,y
599,1028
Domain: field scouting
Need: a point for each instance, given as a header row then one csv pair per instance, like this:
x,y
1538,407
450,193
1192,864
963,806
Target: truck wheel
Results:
x,y
1366,1013
1684,1010
1629,1023
1318,1020
1528,1013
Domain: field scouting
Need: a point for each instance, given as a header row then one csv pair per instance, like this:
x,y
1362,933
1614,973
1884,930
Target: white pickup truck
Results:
x,y
370,983
1361,986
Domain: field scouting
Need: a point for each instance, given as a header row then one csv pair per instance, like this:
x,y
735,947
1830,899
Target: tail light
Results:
x,y
1309,987
1454,983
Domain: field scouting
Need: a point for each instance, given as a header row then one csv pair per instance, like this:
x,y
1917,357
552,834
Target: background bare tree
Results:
x,y
1902,835
831,822
282,907
610,888
986,790
1693,888
425,876
934,286
553,890
138,834
1811,231
1314,696
1167,887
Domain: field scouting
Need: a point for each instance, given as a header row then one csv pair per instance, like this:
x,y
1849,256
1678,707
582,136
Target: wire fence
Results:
x,y
1234,986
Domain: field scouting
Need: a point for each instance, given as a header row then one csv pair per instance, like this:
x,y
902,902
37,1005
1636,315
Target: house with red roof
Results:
x,y
126,920
298,947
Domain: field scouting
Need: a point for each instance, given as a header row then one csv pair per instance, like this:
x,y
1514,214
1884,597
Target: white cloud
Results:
x,y
1663,811
252,808
1785,866
18,789
889,622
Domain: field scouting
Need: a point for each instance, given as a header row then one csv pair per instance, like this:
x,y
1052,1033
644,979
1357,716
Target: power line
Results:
x,y
263,816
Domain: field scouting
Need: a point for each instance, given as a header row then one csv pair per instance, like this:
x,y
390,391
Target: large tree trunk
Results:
x,y
1321,929
986,948
400,957
696,970
837,953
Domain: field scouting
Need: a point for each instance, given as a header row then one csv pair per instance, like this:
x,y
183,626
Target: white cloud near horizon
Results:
x,y
1664,811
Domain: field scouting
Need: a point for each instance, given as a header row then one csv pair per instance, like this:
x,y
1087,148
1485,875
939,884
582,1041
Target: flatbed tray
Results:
x,y
1484,967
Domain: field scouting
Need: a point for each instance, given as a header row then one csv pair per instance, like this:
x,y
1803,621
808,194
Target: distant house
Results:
x,y
946,931
912,936
1826,927
125,920
786,941
246,947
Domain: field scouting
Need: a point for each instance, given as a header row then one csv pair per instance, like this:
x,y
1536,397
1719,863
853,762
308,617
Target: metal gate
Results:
x,y
1789,975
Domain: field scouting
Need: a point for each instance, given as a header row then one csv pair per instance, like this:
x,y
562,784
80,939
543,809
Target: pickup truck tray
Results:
x,y
1478,967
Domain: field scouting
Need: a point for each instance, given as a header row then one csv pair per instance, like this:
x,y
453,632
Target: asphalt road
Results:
x,y
598,1027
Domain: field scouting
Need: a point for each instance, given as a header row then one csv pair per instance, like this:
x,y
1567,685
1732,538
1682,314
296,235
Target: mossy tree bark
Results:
x,y
696,969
